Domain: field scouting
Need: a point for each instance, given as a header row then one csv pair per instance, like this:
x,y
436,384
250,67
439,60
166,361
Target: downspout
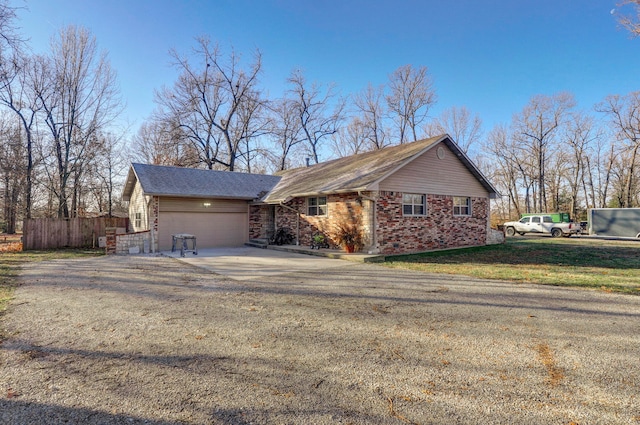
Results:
x,y
374,224
297,220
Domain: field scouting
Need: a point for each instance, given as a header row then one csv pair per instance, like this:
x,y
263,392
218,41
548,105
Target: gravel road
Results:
x,y
151,340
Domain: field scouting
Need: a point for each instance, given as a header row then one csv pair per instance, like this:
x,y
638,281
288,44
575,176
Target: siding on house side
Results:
x,y
430,174
138,204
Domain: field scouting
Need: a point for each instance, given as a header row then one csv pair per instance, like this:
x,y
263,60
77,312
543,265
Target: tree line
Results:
x,y
61,155
54,126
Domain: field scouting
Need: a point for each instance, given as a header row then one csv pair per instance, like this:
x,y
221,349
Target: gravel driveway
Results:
x,y
152,340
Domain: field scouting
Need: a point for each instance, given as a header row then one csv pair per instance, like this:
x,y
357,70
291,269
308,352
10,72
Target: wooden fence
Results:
x,y
53,233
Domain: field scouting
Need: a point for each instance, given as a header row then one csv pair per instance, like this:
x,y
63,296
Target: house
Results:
x,y
413,197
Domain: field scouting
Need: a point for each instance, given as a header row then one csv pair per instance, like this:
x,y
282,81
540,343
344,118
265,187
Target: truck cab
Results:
x,y
535,224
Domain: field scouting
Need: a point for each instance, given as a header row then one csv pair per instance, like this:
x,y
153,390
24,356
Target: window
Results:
x,y
461,205
138,220
317,205
413,204
535,220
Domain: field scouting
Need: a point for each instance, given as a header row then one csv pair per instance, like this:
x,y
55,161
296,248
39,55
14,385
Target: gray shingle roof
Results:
x,y
362,171
196,183
349,174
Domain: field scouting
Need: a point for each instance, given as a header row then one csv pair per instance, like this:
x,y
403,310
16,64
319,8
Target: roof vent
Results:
x,y
308,159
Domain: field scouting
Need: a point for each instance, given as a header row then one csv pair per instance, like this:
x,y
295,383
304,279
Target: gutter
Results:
x,y
374,242
297,220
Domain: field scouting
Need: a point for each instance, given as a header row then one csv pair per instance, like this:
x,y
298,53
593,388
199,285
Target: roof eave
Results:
x,y
200,196
316,193
493,192
129,184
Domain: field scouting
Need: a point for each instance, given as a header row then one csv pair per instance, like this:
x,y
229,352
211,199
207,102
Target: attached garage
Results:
x,y
214,222
211,205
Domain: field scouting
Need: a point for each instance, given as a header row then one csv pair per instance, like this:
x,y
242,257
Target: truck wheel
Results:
x,y
556,233
510,231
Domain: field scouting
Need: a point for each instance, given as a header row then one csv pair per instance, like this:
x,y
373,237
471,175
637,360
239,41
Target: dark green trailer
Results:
x,y
557,217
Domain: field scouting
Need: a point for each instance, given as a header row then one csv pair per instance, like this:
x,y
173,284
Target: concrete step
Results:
x,y
258,243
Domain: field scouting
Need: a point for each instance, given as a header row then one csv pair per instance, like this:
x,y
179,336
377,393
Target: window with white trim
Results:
x,y
317,205
461,205
414,204
138,220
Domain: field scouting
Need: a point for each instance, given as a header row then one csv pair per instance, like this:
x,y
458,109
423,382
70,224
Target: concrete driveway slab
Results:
x,y
248,263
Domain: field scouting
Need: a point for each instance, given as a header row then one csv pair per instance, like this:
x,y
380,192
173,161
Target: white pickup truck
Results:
x,y
540,224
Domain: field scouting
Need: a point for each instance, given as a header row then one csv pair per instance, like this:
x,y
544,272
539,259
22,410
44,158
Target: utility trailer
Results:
x,y
622,222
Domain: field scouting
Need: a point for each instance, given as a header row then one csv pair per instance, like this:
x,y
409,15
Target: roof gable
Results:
x,y
160,180
362,171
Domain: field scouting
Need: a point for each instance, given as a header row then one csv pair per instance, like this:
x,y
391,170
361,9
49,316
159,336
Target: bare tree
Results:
x,y
255,123
210,103
352,139
581,134
536,127
371,115
410,99
16,79
624,115
512,169
19,78
286,132
79,99
9,37
12,173
162,143
459,123
312,107
630,20
599,171
107,172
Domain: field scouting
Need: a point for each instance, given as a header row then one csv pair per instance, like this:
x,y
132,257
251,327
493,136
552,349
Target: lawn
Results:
x,y
589,263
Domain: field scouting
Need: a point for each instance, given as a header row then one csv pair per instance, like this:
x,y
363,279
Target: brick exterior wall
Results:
x,y
396,234
307,226
439,229
257,222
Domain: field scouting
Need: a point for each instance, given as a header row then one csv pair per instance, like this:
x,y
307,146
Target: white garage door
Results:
x,y
210,229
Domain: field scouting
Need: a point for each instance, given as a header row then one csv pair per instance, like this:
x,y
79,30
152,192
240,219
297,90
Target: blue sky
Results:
x,y
488,55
